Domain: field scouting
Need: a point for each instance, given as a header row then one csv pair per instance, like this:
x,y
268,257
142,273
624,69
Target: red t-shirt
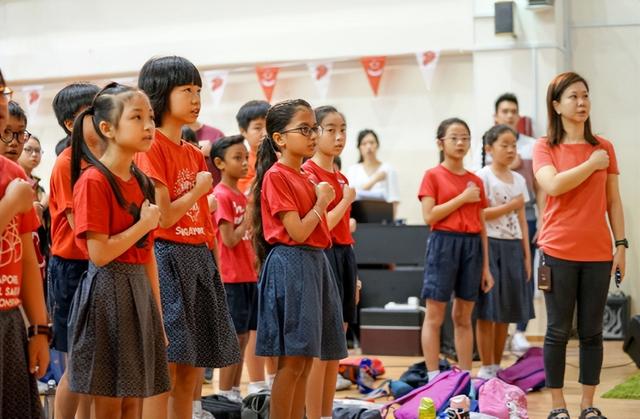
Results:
x,y
176,166
11,244
341,233
60,200
237,264
96,209
283,190
443,185
574,224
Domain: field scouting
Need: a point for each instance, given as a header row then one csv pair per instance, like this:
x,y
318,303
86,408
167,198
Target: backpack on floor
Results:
x,y
446,385
528,371
221,407
502,400
256,405
355,409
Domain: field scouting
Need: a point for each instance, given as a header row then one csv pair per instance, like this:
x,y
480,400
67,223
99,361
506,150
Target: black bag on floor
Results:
x,y
632,342
221,407
416,375
256,405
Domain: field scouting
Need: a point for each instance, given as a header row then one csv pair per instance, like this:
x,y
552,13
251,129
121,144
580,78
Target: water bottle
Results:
x,y
427,409
49,399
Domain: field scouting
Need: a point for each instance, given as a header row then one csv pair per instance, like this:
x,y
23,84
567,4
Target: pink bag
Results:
x,y
446,385
502,400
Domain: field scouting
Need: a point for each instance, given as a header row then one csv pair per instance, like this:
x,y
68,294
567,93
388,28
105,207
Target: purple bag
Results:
x,y
527,372
446,385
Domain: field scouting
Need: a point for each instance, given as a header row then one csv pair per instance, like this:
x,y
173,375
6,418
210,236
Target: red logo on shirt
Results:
x,y
11,247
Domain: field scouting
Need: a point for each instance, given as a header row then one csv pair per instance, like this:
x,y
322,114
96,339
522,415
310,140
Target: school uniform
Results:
x,y
297,293
237,263
18,392
340,255
196,317
510,300
454,247
117,346
68,262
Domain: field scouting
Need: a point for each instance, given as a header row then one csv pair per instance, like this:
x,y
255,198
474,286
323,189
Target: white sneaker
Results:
x,y
519,342
257,387
342,383
486,372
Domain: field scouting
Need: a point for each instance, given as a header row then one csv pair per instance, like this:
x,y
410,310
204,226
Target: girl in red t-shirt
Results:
x,y
297,316
197,320
579,173
117,345
457,252
331,142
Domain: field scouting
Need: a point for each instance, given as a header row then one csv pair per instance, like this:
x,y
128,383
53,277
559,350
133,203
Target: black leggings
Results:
x,y
586,283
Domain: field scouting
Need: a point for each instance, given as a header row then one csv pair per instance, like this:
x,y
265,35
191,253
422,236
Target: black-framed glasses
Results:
x,y
20,137
305,130
6,92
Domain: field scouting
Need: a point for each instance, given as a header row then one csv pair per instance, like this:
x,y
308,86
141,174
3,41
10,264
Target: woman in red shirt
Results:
x,y
579,173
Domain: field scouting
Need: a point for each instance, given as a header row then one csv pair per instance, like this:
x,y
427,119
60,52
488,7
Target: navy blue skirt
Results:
x,y
343,262
510,300
194,307
299,308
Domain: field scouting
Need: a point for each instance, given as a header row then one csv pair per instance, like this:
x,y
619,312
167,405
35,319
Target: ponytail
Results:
x,y
266,157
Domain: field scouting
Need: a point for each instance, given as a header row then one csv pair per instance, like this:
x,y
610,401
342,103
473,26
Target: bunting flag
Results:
x,y
321,75
267,77
427,61
32,98
374,67
215,82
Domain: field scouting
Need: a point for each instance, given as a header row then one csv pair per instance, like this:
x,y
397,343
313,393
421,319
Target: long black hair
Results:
x,y
158,77
492,135
442,131
278,117
108,106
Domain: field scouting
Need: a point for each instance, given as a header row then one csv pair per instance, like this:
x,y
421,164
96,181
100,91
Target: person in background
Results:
x,y
507,113
372,178
68,103
29,160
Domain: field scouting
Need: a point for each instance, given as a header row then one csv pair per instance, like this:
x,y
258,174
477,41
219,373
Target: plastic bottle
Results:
x,y
427,409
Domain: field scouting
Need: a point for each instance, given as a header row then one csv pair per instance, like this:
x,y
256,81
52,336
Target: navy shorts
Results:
x,y
343,262
63,277
453,264
242,299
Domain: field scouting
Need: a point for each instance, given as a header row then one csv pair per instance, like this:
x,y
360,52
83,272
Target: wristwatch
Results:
x,y
40,329
622,242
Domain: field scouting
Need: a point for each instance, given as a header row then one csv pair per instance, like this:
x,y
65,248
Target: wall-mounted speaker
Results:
x,y
504,18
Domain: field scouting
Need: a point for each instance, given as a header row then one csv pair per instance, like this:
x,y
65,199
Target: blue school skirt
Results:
x,y
299,308
194,307
510,300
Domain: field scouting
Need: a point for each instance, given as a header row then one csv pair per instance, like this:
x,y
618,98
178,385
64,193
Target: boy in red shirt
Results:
x,y
236,255
68,262
252,124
